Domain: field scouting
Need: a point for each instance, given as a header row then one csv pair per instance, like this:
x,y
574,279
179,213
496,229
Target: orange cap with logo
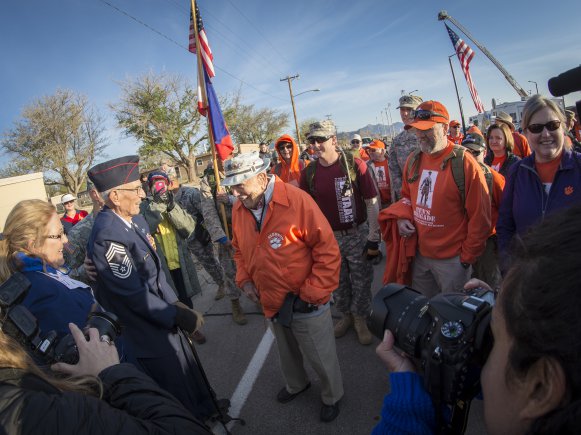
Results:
x,y
428,114
377,144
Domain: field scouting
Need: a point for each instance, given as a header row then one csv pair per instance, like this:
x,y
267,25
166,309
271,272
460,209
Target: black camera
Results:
x,y
18,322
449,338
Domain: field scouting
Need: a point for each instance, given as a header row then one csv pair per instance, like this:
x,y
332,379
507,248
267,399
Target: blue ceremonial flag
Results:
x,y
222,139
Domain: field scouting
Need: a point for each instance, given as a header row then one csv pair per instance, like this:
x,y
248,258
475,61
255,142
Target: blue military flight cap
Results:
x,y
115,172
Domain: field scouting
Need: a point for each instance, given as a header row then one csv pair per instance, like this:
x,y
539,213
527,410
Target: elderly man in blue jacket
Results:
x,y
132,284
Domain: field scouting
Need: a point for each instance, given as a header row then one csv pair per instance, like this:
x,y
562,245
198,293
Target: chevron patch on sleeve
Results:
x,y
119,261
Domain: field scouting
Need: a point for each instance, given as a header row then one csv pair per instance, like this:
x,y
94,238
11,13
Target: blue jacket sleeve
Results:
x,y
407,409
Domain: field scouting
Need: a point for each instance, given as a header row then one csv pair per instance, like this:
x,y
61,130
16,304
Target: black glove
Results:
x,y
166,198
372,253
186,318
300,306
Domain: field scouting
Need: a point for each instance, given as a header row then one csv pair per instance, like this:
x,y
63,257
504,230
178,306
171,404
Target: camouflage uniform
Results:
x,y
189,199
213,224
402,146
76,248
354,292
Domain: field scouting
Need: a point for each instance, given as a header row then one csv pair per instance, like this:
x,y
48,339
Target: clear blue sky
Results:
x,y
361,54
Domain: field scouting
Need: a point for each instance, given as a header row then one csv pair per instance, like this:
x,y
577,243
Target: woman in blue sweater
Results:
x,y
32,242
531,382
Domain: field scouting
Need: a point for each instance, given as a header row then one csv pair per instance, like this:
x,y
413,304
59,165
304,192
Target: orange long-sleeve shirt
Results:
x,y
295,250
447,227
498,182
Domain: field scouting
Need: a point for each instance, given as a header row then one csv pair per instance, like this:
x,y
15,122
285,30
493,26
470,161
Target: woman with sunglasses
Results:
x,y
289,166
547,180
500,146
32,242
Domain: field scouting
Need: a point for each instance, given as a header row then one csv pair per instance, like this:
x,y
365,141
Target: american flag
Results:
x,y
465,55
207,56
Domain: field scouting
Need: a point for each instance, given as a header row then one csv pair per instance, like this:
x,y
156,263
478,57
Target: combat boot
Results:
x,y
219,293
343,325
237,313
363,334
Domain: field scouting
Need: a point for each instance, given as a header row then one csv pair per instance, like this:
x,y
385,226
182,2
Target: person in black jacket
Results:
x,y
130,402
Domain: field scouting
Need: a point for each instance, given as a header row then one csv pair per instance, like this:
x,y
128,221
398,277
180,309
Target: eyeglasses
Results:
x,y
318,139
288,146
135,189
424,115
355,141
56,236
551,126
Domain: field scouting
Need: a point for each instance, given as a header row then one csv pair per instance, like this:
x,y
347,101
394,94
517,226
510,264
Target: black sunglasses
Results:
x,y
424,115
318,139
551,126
355,141
286,146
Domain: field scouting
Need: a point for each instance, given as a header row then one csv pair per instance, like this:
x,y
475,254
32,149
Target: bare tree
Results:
x,y
60,135
161,111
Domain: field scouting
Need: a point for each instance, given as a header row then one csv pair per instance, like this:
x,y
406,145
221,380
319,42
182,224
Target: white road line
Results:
x,y
248,379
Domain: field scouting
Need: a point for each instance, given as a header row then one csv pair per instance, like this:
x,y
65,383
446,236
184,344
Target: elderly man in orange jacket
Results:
x,y
288,260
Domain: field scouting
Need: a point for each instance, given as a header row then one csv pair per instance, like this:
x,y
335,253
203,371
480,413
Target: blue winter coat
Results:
x,y
55,299
525,202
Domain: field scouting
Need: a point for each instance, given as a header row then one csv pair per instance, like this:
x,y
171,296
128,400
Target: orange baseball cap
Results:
x,y
428,114
377,144
453,123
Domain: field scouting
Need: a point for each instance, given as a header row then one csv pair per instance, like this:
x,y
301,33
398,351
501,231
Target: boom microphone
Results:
x,y
565,83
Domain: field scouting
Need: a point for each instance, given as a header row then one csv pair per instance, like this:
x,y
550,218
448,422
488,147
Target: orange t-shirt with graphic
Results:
x,y
446,226
383,183
497,162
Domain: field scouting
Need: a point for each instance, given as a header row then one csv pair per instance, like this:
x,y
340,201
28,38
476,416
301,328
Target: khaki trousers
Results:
x,y
431,276
313,339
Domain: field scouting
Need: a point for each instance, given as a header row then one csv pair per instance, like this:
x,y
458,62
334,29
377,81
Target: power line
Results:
x,y
247,49
186,48
258,31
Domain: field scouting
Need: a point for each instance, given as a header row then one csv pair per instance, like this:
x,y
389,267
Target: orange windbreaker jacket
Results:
x,y
295,250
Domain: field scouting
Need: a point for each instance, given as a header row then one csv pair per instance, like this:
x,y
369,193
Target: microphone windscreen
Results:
x,y
565,83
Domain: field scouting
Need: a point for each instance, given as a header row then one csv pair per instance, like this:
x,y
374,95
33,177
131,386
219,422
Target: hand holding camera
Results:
x,y
95,353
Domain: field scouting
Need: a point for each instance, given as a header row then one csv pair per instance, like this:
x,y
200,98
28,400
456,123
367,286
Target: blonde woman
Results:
x,y
32,242
101,397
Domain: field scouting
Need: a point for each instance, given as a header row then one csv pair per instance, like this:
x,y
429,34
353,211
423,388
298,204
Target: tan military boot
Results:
x,y
219,293
363,334
237,313
343,325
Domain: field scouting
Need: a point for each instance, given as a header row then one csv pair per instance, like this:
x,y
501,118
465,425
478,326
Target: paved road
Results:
x,y
242,364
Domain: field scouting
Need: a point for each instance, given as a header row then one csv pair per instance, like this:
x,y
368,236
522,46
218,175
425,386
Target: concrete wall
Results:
x,y
15,189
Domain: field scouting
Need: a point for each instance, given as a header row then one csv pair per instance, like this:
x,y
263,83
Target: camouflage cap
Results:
x,y
474,142
322,128
410,101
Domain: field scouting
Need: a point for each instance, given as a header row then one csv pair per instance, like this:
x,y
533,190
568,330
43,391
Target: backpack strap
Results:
x,y
413,164
456,159
487,176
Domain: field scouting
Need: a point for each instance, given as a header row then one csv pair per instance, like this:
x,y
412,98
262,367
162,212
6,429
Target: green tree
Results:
x,y
248,124
160,110
60,135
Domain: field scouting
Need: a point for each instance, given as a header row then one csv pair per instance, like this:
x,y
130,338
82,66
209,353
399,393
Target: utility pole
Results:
x,y
290,89
443,15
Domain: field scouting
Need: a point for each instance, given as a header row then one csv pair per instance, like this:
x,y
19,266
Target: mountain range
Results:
x,y
373,130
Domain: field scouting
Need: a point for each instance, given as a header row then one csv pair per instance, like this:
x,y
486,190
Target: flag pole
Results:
x,y
202,84
457,94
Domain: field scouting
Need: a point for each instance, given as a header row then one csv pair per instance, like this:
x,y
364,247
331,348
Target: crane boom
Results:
x,y
443,15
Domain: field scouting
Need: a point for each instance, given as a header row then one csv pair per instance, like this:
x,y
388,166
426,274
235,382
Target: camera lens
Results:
x,y
106,323
401,310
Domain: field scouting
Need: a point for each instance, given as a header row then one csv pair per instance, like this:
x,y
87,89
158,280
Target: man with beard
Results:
x,y
450,207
